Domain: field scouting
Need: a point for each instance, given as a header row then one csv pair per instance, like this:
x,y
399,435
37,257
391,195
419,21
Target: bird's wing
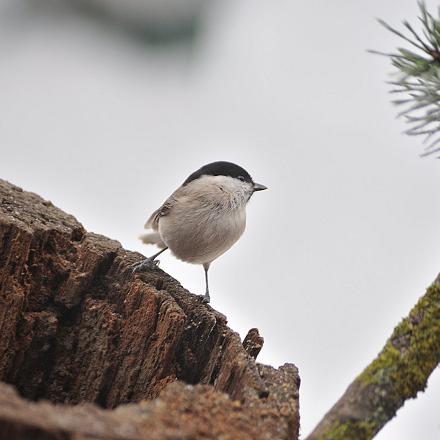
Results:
x,y
153,221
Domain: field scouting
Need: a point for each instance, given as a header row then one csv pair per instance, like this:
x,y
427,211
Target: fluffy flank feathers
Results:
x,y
152,237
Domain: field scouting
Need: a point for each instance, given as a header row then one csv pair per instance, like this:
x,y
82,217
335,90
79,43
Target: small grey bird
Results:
x,y
203,218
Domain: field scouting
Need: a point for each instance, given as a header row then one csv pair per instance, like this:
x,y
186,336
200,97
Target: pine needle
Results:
x,y
419,80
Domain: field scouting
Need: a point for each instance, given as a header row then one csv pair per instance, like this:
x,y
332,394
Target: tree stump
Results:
x,y
96,352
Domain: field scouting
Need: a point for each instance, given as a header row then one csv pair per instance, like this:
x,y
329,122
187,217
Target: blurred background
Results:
x,y
107,106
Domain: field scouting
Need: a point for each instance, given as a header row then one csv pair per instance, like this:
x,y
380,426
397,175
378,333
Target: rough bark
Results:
x,y
253,343
77,326
399,372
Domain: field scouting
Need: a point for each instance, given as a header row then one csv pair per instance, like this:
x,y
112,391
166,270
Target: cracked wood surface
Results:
x,y
77,326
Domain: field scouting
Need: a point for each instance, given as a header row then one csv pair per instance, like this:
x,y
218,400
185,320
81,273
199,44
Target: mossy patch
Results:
x,y
413,350
350,430
410,355
398,373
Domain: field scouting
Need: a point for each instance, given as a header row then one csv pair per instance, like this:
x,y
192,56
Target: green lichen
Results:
x,y
399,372
410,355
413,350
349,430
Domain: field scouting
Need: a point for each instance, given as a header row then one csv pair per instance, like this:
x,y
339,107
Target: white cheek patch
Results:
x,y
225,191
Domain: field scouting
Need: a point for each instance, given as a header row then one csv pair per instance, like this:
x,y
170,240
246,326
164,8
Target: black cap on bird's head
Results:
x,y
222,168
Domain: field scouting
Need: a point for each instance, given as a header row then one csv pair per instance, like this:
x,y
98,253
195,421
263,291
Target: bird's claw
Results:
x,y
204,298
148,263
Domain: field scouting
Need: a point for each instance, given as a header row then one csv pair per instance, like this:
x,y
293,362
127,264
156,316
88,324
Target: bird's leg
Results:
x,y
148,263
207,298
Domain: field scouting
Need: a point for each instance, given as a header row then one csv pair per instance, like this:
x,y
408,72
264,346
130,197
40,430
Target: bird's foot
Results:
x,y
205,298
148,263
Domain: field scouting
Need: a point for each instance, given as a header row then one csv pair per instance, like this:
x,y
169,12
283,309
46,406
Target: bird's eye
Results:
x,y
241,178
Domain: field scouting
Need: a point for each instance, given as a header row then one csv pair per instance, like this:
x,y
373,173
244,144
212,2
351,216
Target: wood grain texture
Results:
x,y
78,327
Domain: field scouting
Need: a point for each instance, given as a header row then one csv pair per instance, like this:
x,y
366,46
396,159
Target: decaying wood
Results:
x,y
77,327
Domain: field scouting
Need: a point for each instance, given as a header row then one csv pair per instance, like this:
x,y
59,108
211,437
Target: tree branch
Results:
x,y
399,372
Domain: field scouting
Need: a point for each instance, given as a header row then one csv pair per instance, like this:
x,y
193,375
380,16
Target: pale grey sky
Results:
x,y
343,243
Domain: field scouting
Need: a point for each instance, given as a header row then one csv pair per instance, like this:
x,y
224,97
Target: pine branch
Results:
x,y
398,373
419,78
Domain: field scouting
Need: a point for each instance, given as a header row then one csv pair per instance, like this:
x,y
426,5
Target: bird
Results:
x,y
203,218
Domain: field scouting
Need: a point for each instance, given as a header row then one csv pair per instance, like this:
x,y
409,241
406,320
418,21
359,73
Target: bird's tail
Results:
x,y
152,237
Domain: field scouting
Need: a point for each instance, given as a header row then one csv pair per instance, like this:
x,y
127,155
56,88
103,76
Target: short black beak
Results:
x,y
259,187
